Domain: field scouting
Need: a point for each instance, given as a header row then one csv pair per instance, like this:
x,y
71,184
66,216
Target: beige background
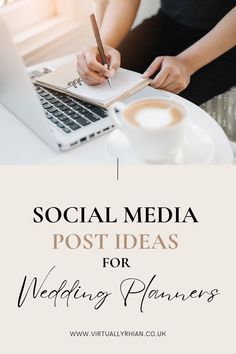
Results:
x,y
205,259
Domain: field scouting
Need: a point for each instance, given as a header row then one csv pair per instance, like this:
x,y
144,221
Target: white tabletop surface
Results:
x,y
18,145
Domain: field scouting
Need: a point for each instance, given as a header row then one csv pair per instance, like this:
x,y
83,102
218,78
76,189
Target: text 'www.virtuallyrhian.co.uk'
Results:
x,y
118,334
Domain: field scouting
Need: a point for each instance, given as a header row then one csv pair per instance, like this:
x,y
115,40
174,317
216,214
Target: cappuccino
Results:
x,y
154,114
154,127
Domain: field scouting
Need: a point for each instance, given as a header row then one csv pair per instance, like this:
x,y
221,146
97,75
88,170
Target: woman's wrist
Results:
x,y
190,62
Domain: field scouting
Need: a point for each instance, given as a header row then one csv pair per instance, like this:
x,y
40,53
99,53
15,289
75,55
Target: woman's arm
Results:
x,y
217,42
117,18
100,9
175,72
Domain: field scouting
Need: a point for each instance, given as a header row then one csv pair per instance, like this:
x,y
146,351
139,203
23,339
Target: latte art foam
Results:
x,y
154,114
154,118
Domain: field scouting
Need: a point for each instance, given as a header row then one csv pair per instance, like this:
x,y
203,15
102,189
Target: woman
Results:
x,y
188,48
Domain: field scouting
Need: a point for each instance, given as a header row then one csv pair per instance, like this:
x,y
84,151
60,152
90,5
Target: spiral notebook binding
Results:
x,y
75,83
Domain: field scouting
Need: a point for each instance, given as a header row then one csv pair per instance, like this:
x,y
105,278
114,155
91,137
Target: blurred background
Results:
x,y
46,29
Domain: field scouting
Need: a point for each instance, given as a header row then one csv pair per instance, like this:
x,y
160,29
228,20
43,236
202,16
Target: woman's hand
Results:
x,y
90,67
173,76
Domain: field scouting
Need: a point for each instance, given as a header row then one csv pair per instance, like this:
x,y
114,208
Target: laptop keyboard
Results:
x,y
67,113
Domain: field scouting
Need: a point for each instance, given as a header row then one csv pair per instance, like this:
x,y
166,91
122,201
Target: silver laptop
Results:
x,y
59,120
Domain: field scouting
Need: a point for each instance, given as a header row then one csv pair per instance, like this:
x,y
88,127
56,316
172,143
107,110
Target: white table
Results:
x,y
18,145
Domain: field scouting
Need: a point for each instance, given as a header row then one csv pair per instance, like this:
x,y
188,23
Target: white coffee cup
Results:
x,y
153,126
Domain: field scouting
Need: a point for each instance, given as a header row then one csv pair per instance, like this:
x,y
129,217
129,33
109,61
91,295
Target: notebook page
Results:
x,y
61,77
122,82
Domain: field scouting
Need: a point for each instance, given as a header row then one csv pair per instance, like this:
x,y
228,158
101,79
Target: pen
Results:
x,y
100,45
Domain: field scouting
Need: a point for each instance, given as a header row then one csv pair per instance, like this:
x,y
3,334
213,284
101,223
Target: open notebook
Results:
x,y
66,79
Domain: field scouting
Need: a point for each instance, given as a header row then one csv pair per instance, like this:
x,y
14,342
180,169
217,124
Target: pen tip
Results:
x,y
109,81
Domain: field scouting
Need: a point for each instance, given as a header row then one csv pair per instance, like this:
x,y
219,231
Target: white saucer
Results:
x,y
203,145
